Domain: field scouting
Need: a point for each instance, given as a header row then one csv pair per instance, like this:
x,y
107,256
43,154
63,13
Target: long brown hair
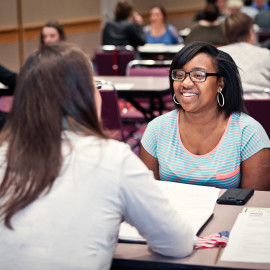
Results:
x,y
55,85
55,24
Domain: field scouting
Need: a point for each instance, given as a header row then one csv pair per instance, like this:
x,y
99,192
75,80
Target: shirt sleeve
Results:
x,y
146,208
254,138
149,139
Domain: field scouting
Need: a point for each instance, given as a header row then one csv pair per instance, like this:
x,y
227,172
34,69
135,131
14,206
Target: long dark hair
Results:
x,y
232,91
55,24
55,86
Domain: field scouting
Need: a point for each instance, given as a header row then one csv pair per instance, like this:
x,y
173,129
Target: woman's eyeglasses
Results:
x,y
194,75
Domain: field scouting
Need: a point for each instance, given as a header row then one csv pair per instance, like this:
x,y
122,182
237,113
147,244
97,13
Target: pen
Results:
x,y
218,253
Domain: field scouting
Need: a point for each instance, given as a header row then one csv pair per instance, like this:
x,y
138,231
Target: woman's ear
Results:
x,y
221,83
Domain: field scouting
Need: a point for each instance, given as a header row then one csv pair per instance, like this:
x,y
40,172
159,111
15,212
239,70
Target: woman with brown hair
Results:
x,y
65,187
51,32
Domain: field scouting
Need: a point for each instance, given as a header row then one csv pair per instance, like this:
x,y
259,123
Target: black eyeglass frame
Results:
x,y
207,74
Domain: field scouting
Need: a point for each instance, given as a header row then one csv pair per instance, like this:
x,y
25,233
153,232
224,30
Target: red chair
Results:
x,y
112,60
126,128
152,68
259,109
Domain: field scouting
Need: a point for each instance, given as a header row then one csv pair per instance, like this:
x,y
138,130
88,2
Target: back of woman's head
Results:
x,y
210,12
226,67
237,27
54,24
56,82
123,10
54,92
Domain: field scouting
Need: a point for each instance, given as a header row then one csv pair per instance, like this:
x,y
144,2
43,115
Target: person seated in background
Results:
x,y
51,32
262,19
209,29
260,4
252,60
125,29
158,31
233,6
222,7
69,187
249,9
208,139
7,78
199,14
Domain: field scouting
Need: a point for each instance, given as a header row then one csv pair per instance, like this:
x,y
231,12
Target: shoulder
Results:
x,y
91,148
146,28
165,119
172,28
248,126
161,125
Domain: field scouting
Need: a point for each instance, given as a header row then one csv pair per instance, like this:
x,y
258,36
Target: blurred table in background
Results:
x,y
159,51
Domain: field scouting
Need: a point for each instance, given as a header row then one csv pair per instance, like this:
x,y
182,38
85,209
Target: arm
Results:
x,y
255,171
146,208
151,162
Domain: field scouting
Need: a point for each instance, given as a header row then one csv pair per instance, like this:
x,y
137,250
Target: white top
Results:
x,y
76,225
253,64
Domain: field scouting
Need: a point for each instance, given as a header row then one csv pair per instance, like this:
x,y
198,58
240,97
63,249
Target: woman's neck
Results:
x,y
158,29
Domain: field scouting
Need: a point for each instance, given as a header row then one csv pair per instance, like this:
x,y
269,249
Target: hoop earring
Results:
x,y
174,100
222,97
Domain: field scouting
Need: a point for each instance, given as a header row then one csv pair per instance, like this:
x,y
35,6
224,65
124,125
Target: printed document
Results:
x,y
195,203
249,239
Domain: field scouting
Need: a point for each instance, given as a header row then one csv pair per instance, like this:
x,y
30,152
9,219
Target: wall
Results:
x,y
82,21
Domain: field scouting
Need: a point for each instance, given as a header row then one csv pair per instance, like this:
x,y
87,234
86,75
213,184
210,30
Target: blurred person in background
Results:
x,y
159,31
52,32
260,4
253,61
209,29
125,29
7,78
249,9
262,19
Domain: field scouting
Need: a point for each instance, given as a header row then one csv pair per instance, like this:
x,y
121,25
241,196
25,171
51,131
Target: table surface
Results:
x,y
160,48
223,219
161,83
139,83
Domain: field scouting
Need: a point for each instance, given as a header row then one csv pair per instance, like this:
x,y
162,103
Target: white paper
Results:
x,y
249,239
195,203
123,86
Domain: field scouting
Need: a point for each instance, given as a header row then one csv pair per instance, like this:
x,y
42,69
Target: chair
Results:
x,y
263,35
152,68
112,60
259,109
114,122
148,68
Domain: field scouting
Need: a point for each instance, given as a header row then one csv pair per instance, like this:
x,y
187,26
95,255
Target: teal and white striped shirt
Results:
x,y
243,137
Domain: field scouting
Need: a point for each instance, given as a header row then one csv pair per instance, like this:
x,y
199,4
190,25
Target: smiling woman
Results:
x,y
208,139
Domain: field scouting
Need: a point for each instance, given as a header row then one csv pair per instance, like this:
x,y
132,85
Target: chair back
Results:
x,y
112,60
263,35
110,113
259,109
148,68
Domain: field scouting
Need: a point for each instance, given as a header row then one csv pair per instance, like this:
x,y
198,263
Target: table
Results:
x,y
154,88
133,87
138,256
159,51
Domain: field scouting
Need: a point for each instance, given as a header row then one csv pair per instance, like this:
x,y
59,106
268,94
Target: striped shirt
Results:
x,y
243,137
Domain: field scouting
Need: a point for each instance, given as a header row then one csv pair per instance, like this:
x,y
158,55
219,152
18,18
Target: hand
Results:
x,y
137,18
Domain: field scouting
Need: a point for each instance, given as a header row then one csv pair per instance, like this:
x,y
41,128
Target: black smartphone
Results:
x,y
236,196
